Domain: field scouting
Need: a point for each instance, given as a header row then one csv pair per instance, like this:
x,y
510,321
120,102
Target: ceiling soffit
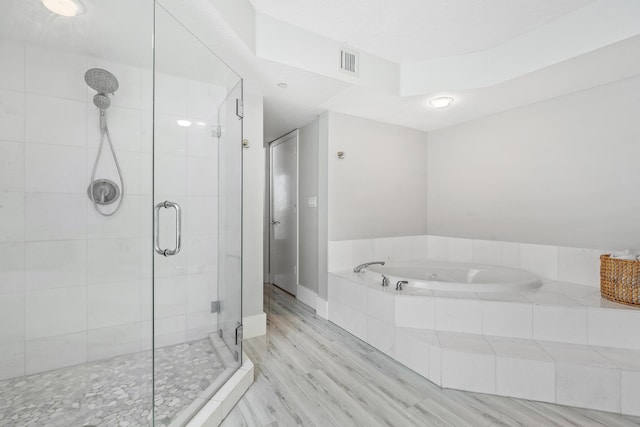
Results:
x,y
584,30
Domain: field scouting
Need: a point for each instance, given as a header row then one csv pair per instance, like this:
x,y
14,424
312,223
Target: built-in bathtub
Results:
x,y
447,276
495,330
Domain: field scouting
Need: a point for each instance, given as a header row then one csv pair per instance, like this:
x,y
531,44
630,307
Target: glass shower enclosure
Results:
x,y
120,215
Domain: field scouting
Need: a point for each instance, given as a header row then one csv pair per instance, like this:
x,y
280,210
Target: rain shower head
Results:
x,y
102,81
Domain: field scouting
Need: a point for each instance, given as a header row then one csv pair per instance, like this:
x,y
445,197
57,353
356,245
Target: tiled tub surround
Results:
x,y
75,286
561,344
544,346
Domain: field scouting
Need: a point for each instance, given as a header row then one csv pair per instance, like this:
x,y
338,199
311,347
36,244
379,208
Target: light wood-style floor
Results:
x,y
310,372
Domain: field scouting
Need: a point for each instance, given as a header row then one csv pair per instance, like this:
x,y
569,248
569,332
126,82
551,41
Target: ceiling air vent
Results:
x,y
349,61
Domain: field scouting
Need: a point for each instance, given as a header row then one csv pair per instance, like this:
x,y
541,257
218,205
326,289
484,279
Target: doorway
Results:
x,y
283,212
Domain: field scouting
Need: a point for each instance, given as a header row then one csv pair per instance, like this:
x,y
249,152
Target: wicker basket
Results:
x,y
620,280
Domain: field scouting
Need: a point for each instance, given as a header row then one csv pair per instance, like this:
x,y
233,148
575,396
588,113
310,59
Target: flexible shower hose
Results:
x,y
104,134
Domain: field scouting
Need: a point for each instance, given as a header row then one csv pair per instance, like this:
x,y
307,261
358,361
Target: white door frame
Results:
x,y
283,138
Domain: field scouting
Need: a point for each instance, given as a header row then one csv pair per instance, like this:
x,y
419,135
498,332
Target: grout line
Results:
x,y
557,250
86,223
533,322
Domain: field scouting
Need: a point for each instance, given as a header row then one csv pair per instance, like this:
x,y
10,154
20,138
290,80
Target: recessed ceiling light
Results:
x,y
282,85
441,102
64,7
201,123
184,123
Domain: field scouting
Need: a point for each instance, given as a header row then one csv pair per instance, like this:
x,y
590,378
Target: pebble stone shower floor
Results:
x,y
112,392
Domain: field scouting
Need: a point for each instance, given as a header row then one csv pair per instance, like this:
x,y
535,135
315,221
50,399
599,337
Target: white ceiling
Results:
x,y
412,30
118,30
281,117
284,109
301,102
497,22
102,32
602,66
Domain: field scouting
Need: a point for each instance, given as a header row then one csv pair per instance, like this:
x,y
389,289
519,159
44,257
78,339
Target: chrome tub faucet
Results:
x,y
400,284
361,267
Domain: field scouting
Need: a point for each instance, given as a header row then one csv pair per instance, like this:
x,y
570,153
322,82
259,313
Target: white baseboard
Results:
x,y
306,296
254,326
322,308
310,298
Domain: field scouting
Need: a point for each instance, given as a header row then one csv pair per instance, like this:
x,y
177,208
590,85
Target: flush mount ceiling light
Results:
x,y
441,102
64,7
183,123
282,85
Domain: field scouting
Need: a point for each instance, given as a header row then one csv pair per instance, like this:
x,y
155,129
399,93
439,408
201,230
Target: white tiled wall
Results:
x,y
459,316
523,369
76,286
186,172
574,265
507,319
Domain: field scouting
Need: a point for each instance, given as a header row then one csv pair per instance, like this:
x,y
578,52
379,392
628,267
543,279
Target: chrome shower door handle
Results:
x,y
156,219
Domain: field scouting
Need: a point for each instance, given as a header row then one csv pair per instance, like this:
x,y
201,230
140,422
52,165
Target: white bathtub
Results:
x,y
446,276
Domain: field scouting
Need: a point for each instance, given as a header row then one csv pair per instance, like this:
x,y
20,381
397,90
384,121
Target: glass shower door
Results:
x,y
98,320
230,116
191,359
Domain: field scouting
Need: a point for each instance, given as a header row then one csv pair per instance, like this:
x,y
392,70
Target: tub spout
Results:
x,y
361,267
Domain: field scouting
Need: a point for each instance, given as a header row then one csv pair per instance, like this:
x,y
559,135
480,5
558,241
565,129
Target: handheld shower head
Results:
x,y
101,101
102,81
104,191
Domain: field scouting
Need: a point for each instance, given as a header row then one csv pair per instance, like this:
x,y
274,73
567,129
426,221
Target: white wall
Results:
x,y
561,172
380,188
308,215
241,16
323,205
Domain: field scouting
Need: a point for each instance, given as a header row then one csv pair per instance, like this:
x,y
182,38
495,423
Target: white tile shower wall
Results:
x,y
75,286
573,265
